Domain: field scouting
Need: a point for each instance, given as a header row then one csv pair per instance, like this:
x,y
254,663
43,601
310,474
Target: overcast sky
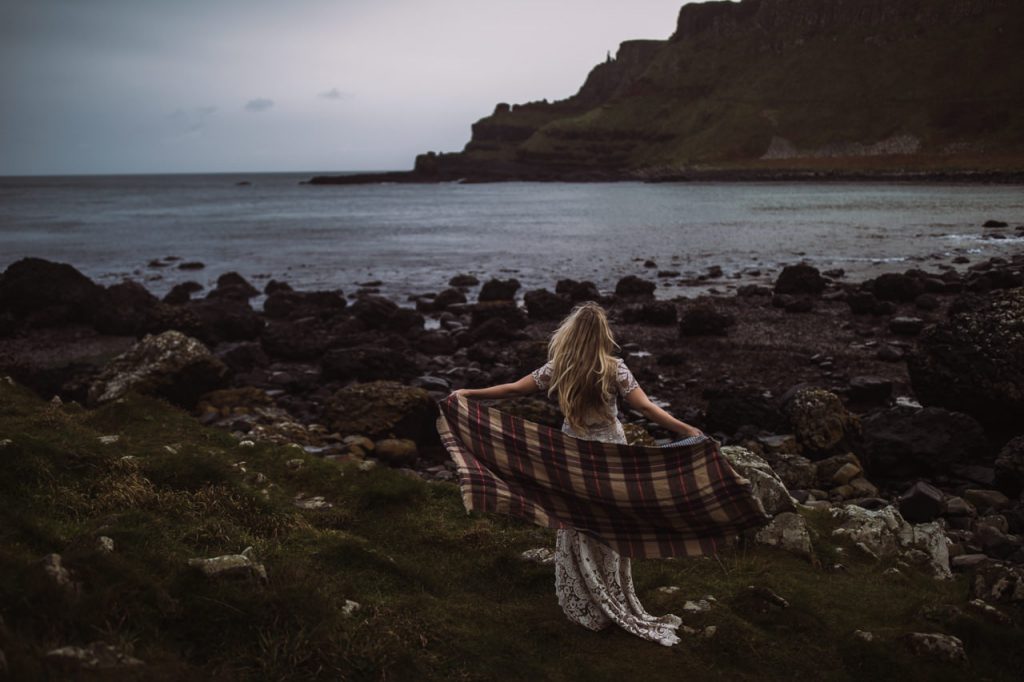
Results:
x,y
128,86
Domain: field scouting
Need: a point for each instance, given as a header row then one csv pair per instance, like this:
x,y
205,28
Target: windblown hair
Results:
x,y
583,367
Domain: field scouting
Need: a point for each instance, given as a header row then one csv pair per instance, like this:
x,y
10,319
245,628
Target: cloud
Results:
x,y
334,93
258,105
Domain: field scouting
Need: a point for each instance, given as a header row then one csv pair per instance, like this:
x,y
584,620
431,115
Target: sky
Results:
x,y
166,86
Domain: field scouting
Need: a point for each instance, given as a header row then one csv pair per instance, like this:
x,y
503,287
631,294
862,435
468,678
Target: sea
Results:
x,y
408,240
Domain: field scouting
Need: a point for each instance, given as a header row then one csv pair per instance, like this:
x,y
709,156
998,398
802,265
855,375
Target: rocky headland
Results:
x,y
880,422
773,90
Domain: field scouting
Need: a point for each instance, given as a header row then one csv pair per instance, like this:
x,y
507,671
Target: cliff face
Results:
x,y
833,84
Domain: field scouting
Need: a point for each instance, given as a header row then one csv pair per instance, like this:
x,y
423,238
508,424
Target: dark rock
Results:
x,y
1009,467
870,390
926,302
377,312
668,273
233,285
922,502
506,310
541,304
495,329
367,364
44,293
244,357
728,410
578,291
182,293
893,286
793,304
705,320
498,290
654,313
889,353
995,223
902,442
447,298
463,281
906,326
863,303
191,265
714,271
960,260
748,290
436,342
127,310
835,273
974,361
800,279
303,339
289,304
650,264
631,285
275,286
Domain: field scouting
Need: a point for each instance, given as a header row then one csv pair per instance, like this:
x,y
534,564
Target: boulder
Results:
x,y
382,409
128,310
870,390
233,285
541,304
797,472
995,581
654,313
922,502
766,484
904,441
799,279
893,286
788,531
974,361
1009,474
936,646
578,291
230,566
43,293
221,319
886,534
448,297
633,286
463,281
182,293
396,452
507,311
498,290
170,365
821,423
377,312
705,320
288,304
304,339
367,363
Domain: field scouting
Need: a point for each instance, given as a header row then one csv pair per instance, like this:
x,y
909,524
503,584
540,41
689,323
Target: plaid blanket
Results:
x,y
679,500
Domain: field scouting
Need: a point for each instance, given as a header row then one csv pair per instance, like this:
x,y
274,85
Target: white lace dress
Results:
x,y
594,584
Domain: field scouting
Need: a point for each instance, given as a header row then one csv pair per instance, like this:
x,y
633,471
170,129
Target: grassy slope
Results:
x,y
444,595
724,99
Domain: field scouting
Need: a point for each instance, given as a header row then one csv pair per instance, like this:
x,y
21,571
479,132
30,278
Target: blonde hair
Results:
x,y
583,367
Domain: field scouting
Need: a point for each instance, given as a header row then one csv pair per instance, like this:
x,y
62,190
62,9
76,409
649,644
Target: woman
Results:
x,y
593,582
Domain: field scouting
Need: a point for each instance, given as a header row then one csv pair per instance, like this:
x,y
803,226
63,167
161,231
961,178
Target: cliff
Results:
x,y
820,86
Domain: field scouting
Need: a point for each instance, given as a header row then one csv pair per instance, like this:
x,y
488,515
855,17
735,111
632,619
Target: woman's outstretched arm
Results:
x,y
524,386
639,401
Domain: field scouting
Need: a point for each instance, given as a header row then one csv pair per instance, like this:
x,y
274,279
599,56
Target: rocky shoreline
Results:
x,y
903,392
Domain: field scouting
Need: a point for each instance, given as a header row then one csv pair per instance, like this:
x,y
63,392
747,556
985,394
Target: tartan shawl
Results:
x,y
682,499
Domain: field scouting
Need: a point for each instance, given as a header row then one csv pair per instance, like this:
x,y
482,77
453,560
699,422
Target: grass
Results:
x,y
443,594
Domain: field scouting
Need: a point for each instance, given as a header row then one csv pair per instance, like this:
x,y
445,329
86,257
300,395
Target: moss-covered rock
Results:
x,y
382,409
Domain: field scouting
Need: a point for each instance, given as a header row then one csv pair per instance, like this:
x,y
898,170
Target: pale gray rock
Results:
x,y
937,646
230,566
787,531
766,484
886,534
95,656
539,555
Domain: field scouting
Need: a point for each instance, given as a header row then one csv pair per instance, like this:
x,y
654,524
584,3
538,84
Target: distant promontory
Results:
x,y
774,89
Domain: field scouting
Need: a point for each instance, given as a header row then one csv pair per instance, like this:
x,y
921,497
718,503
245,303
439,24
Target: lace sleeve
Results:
x,y
542,375
625,379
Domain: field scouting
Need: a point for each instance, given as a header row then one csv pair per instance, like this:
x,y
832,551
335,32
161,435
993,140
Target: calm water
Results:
x,y
413,238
